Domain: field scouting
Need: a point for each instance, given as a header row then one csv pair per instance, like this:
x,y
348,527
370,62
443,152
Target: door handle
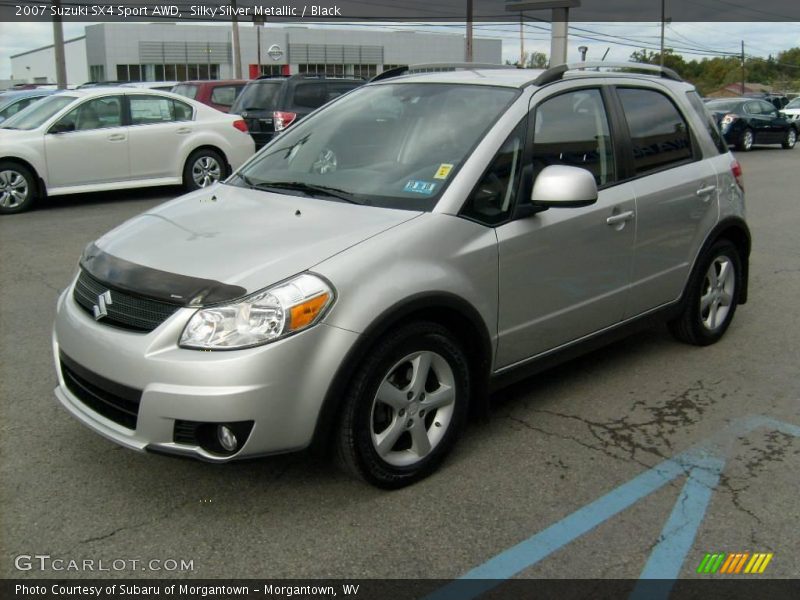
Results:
x,y
620,218
116,137
705,191
183,131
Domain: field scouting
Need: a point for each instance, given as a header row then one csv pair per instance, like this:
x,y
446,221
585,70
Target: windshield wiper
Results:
x,y
307,188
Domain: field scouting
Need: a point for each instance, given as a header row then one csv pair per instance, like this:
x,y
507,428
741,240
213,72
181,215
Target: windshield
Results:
x,y
392,145
793,104
37,113
258,96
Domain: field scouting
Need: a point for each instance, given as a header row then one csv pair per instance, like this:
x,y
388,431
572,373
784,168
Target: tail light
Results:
x,y
283,119
241,125
736,171
728,119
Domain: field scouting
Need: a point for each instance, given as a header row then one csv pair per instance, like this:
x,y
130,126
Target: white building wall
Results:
x,y
40,65
110,44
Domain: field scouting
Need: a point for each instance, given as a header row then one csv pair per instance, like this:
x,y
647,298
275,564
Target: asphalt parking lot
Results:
x,y
566,439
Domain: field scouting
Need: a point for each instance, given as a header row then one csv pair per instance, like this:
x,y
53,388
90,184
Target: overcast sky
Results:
x,y
761,39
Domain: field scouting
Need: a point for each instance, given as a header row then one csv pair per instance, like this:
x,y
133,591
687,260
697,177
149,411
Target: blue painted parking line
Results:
x,y
702,463
677,537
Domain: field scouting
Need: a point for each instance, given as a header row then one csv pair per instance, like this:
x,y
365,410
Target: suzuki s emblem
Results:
x,y
99,309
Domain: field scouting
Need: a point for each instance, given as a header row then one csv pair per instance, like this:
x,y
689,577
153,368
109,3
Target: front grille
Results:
x,y
112,400
125,310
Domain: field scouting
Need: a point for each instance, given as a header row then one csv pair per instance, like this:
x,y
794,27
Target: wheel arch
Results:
x,y
459,317
216,149
735,230
41,187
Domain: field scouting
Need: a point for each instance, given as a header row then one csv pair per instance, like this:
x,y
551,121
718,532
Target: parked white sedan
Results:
x,y
115,138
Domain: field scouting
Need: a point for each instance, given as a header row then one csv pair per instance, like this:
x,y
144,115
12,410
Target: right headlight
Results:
x,y
260,318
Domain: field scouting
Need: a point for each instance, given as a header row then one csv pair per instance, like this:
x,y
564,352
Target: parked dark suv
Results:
x,y
271,104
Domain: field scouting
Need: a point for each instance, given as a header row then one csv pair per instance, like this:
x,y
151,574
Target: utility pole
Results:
x,y
468,49
258,21
237,53
663,22
521,45
58,48
743,72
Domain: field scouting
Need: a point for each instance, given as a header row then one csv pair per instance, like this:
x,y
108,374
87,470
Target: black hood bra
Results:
x,y
139,280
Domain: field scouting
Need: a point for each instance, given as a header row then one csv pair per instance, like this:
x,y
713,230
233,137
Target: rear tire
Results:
x,y
405,408
790,140
203,168
711,296
17,188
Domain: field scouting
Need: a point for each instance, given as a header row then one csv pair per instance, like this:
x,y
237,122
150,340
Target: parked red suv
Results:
x,y
217,93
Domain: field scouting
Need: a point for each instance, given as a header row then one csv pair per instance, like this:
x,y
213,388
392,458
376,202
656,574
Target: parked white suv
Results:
x,y
367,278
105,138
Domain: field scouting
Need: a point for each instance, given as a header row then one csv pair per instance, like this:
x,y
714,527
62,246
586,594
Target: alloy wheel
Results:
x,y
13,189
205,171
717,293
413,408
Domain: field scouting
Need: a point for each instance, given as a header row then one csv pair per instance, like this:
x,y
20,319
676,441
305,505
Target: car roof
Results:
x,y
212,82
515,78
12,94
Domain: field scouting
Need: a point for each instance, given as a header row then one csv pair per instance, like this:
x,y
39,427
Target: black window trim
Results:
x,y
628,158
519,176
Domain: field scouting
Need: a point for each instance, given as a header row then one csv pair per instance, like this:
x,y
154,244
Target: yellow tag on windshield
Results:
x,y
443,171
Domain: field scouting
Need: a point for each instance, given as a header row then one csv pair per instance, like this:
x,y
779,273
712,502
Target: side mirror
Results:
x,y
62,127
561,186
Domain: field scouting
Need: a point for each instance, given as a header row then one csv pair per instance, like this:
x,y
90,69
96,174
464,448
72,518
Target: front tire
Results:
x,y
405,408
711,296
17,188
203,168
790,140
746,140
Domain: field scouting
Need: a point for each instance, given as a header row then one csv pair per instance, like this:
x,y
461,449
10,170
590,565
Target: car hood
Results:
x,y
217,244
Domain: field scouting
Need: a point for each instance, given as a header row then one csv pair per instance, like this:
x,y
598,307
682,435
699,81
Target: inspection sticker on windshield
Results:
x,y
420,187
443,171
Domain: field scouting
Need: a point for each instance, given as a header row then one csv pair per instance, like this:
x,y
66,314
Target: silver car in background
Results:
x,y
373,273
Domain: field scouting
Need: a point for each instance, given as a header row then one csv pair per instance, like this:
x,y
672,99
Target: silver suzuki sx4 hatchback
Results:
x,y
366,280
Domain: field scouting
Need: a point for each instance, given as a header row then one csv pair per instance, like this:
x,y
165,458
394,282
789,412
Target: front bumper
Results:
x,y
279,387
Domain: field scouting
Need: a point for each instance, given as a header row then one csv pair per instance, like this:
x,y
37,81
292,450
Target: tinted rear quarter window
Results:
x,y
310,95
659,134
261,95
223,95
708,120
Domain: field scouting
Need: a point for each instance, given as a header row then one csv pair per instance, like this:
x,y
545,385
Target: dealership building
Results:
x,y
166,52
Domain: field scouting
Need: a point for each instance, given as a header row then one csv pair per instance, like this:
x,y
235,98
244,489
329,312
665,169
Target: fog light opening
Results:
x,y
226,438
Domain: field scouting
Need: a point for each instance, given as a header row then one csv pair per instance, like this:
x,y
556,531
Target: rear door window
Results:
x,y
659,133
150,109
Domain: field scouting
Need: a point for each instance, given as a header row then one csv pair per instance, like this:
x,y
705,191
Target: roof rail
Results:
x,y
557,72
433,67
